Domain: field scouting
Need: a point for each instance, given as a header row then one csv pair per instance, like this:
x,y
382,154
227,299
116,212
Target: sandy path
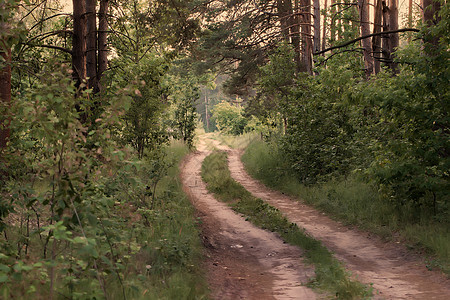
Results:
x,y
394,272
243,261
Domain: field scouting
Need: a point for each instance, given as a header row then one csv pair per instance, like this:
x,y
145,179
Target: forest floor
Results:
x,y
245,262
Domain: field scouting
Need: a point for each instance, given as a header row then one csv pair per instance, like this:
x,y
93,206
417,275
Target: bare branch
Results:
x,y
365,37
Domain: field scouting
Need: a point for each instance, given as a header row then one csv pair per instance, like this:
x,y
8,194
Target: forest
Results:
x,y
344,105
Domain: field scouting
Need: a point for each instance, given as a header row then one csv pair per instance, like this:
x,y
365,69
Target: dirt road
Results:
x,y
395,272
243,261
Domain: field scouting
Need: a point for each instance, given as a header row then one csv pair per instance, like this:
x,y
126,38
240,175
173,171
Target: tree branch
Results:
x,y
366,37
50,47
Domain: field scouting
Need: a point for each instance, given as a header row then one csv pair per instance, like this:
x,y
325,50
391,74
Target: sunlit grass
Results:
x,y
237,142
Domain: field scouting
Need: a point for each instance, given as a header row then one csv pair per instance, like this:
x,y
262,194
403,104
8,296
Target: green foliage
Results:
x,y
229,119
351,200
87,218
143,125
318,133
184,91
330,275
394,129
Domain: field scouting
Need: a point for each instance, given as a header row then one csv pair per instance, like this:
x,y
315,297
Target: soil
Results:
x,y
245,262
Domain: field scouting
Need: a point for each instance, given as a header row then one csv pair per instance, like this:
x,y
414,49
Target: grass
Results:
x,y
174,248
354,202
330,274
237,142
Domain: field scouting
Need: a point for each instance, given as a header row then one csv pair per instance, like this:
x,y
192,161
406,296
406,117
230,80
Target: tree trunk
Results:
x,y
102,39
431,18
307,49
295,31
5,93
430,12
410,17
91,45
316,25
5,78
79,42
283,15
376,40
385,48
393,37
333,23
365,30
324,35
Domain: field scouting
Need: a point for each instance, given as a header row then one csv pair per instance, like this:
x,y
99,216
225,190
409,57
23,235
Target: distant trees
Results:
x,y
247,31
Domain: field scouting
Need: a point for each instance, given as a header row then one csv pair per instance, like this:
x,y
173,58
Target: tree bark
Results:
x,y
324,35
333,22
410,17
91,45
283,15
102,39
376,40
393,37
365,30
307,49
79,42
385,48
5,78
316,25
5,93
295,30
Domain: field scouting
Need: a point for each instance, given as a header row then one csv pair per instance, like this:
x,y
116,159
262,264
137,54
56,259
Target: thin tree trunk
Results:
x,y
365,30
5,78
393,37
385,48
295,30
324,35
333,23
410,18
316,25
5,93
79,42
376,40
91,45
102,39
306,37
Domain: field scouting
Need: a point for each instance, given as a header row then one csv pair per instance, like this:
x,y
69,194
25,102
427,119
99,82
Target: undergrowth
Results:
x,y
330,274
355,202
146,244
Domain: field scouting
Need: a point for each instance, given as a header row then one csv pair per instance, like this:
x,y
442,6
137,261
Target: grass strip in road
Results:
x,y
330,274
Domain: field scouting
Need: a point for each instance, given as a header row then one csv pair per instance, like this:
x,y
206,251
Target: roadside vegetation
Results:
x,y
330,274
353,201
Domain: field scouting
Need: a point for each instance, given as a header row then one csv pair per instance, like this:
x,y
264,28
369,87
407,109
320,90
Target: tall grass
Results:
x,y
330,275
352,201
174,249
